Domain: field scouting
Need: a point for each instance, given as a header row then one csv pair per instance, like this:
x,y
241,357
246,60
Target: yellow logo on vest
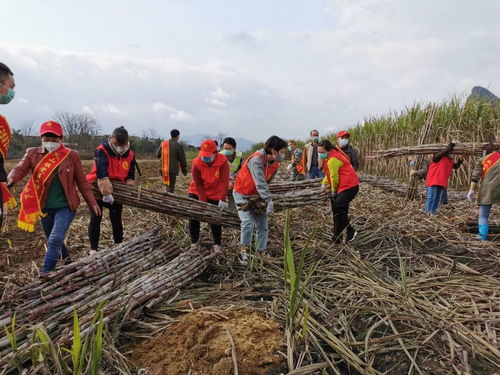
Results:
x,y
125,165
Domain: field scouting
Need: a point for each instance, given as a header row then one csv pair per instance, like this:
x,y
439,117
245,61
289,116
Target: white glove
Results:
x,y
108,199
324,187
223,205
289,167
470,195
270,207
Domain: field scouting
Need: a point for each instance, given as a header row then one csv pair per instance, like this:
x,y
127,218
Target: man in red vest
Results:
x,y
114,161
210,171
438,176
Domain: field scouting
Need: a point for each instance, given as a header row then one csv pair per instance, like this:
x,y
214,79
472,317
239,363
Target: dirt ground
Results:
x,y
200,343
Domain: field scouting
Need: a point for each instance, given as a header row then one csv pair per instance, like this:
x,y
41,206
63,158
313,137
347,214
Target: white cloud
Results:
x,y
111,109
174,114
87,110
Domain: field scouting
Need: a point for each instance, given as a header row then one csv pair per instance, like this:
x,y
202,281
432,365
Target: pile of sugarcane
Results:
x,y
140,273
292,186
400,188
428,149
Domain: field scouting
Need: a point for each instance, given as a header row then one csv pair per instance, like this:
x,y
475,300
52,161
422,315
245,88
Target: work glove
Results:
x,y
105,186
451,145
270,207
108,199
130,182
223,205
289,167
470,195
334,195
324,187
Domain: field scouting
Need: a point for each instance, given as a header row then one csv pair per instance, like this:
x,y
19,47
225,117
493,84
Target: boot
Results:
x,y
483,231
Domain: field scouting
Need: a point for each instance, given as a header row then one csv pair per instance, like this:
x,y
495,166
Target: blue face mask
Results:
x,y
322,155
7,98
207,159
227,152
412,163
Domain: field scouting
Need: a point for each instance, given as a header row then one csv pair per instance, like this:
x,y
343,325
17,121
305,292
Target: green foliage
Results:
x,y
11,334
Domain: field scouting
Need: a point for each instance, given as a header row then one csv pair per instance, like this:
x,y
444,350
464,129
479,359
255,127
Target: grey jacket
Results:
x,y
257,168
489,185
177,157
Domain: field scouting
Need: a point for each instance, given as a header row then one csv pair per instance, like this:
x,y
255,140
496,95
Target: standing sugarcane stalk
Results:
x,y
425,133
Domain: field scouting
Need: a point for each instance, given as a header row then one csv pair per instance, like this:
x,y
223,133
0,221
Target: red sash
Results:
x,y
489,162
165,156
33,191
5,134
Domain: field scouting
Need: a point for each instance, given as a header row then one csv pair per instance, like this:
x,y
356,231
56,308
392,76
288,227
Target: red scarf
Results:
x,y
490,161
5,134
33,192
165,156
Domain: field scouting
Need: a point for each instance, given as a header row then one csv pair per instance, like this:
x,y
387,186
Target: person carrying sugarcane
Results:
x,y
173,158
252,182
113,161
7,93
210,184
438,176
296,166
486,173
50,194
343,142
422,174
342,180
235,160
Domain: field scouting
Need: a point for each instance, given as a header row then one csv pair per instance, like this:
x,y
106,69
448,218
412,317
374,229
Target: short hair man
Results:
x,y
312,163
172,157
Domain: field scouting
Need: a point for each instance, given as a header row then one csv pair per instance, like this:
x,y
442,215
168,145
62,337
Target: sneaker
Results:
x,y
351,235
93,252
243,258
265,254
218,249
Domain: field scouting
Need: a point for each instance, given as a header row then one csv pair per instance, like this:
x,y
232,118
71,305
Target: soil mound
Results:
x,y
200,343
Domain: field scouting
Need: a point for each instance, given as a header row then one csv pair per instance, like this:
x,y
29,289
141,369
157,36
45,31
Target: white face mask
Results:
x,y
343,142
51,146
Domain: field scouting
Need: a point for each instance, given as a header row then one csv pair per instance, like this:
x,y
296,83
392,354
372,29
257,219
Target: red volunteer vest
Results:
x,y
245,184
348,178
214,184
439,173
118,167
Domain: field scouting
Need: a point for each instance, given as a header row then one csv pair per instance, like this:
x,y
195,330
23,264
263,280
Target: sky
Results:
x,y
245,68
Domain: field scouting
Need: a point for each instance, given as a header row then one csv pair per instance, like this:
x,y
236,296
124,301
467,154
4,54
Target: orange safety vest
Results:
x,y
33,191
489,162
214,184
165,161
118,167
5,134
348,178
300,165
245,184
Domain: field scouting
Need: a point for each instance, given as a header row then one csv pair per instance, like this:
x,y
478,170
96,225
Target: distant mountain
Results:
x,y
480,93
243,144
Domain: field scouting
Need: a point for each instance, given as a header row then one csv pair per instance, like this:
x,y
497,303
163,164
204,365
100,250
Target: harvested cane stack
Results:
x,y
292,186
141,272
460,148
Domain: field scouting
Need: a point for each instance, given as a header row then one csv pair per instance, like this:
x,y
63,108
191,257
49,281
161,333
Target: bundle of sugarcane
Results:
x,y
291,186
460,148
171,204
127,277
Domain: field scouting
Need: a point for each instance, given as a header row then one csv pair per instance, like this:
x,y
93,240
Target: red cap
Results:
x,y
343,134
208,147
51,127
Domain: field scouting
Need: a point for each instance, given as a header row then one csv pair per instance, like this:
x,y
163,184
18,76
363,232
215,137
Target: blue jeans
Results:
x,y
249,221
55,225
434,196
484,214
444,196
315,172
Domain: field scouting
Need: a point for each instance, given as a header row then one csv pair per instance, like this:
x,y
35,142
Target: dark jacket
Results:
x,y
3,172
70,174
101,162
353,155
177,158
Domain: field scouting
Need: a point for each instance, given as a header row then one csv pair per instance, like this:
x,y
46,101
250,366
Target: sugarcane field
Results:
x,y
250,188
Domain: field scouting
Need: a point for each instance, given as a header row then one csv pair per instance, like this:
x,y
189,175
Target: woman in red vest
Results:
x,y
252,181
438,176
487,174
210,183
50,194
342,179
114,161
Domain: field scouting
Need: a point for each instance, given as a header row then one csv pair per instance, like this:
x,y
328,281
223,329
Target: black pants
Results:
x,y
1,208
173,178
194,226
115,216
340,210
